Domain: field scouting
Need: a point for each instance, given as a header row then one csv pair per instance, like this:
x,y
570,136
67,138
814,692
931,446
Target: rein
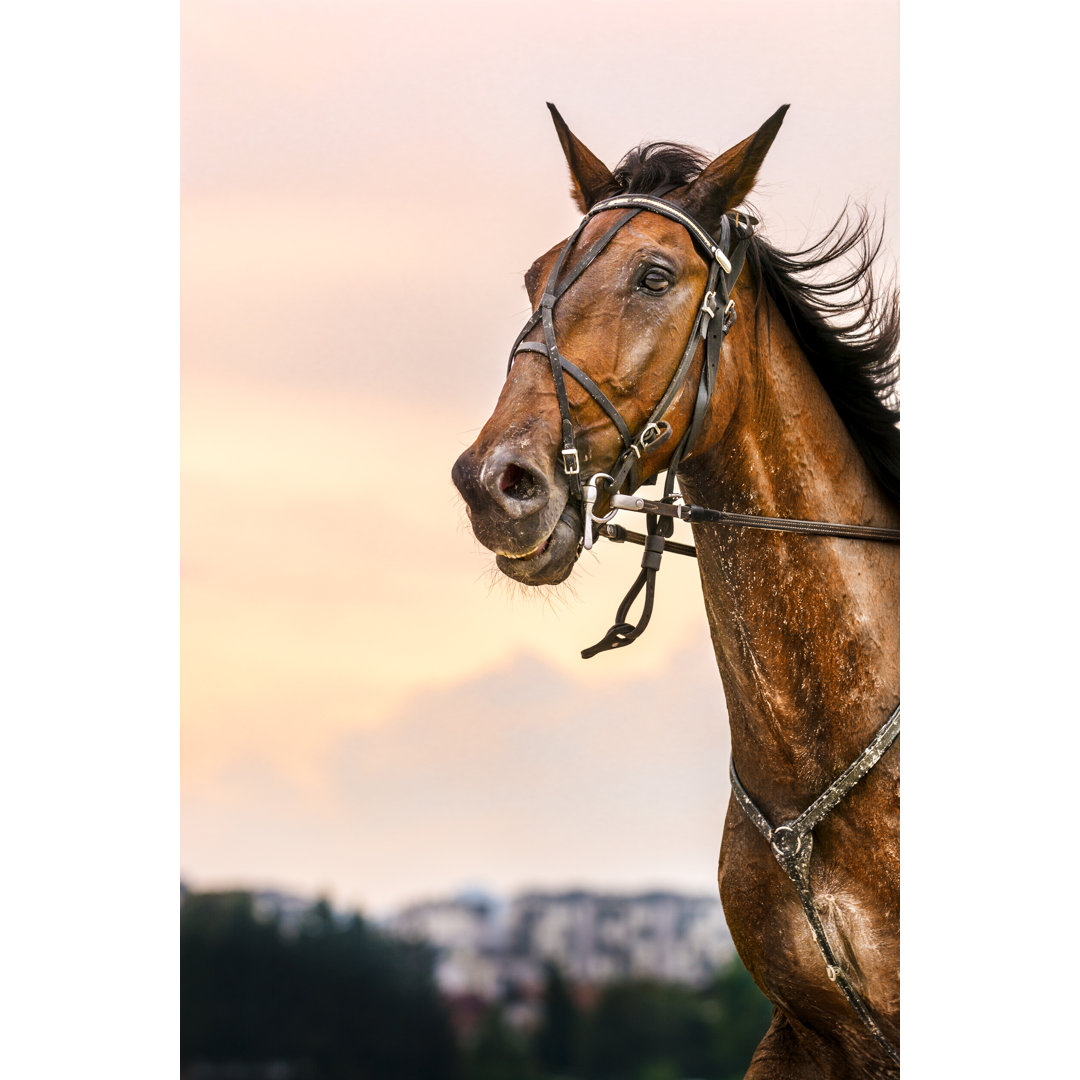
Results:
x,y
703,515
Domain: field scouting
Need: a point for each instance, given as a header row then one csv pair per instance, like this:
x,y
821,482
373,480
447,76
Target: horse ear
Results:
x,y
592,180
727,181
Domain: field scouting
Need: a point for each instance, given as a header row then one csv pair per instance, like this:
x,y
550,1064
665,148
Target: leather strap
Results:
x,y
703,515
792,842
621,468
658,531
570,278
589,385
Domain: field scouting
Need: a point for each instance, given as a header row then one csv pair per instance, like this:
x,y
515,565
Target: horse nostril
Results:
x,y
515,486
518,483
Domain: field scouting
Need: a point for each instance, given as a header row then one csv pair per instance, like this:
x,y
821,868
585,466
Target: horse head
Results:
x,y
617,308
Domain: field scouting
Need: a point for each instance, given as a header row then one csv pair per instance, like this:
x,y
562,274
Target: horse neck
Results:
x,y
805,629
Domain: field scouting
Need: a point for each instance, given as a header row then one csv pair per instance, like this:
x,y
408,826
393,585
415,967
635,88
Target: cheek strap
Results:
x,y
715,318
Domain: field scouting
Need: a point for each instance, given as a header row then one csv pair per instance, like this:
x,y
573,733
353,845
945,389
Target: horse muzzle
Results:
x,y
517,507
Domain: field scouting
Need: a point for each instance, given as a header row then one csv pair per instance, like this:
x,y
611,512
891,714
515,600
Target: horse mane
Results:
x,y
848,330
651,167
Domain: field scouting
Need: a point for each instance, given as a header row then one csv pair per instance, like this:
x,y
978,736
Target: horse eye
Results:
x,y
656,281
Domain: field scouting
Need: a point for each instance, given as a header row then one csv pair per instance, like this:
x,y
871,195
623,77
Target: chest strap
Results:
x,y
792,842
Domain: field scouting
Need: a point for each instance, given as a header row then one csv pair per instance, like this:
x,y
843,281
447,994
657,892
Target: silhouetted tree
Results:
x,y
337,999
638,1026
557,1039
643,1030
741,1015
499,1053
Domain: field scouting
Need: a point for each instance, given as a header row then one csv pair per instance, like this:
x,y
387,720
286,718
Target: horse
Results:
x,y
696,348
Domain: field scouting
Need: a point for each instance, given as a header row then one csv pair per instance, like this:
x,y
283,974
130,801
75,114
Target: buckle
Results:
x,y
729,315
786,842
571,463
708,304
652,433
589,492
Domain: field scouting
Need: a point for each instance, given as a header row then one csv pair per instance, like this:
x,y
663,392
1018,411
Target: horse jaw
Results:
x,y
553,559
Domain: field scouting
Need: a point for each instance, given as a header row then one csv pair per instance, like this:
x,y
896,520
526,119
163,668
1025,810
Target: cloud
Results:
x,y
327,575
521,776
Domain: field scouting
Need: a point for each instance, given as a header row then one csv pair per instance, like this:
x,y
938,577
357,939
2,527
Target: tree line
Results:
x,y
336,999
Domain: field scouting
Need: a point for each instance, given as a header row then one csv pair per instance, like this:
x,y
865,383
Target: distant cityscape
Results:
x,y
490,950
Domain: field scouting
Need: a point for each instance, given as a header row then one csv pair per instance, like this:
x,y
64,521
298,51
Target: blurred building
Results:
x,y
468,936
596,938
492,951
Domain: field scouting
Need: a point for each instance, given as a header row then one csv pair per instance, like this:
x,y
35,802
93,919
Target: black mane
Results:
x,y
654,166
847,329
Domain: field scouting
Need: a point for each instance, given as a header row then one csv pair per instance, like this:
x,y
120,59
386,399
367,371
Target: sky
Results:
x,y
366,711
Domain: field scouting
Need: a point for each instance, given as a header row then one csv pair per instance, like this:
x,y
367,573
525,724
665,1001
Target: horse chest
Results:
x,y
774,939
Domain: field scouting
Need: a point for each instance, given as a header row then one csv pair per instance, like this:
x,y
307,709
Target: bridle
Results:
x,y
790,842
714,318
725,259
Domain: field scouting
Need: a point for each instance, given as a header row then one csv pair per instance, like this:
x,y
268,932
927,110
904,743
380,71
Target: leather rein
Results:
x,y
791,842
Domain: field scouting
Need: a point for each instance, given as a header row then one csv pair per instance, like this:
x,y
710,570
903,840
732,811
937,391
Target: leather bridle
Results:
x,y
713,320
790,842
725,258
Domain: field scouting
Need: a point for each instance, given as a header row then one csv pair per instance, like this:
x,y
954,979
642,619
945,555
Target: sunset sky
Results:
x,y
365,712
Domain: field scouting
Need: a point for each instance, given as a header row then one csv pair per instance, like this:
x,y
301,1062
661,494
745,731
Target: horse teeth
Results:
x,y
529,554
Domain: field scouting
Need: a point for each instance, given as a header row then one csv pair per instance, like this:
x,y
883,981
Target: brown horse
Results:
x,y
798,423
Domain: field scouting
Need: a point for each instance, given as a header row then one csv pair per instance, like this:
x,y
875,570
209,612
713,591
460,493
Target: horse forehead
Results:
x,y
644,230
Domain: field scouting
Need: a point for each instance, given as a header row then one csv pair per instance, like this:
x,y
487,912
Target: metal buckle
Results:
x,y
571,463
786,841
729,315
588,500
652,432
708,304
